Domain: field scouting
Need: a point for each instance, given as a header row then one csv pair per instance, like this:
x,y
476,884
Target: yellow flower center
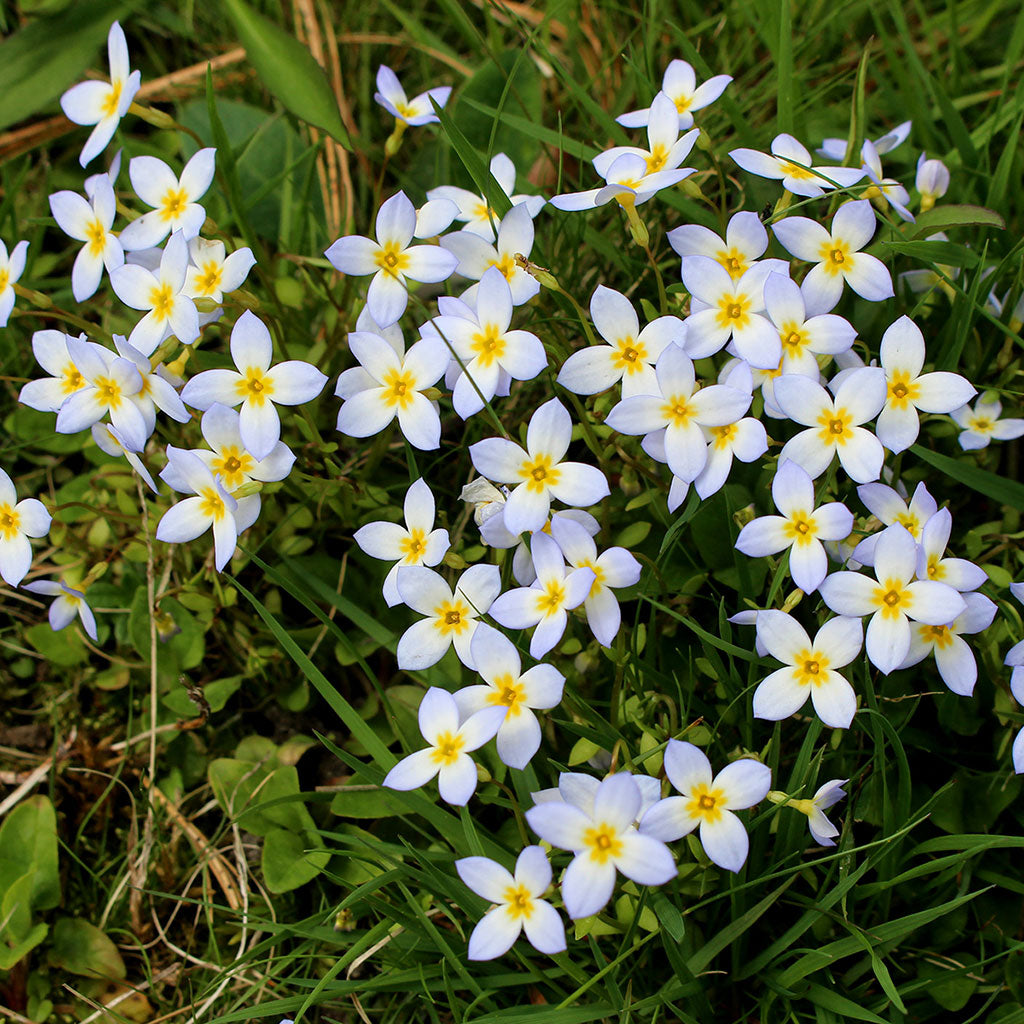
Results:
x,y
399,388
603,842
161,298
982,424
212,504
936,571
232,465
657,158
890,599
734,311
406,109
595,587
173,204
734,261
800,529
903,390
109,391
255,386
629,355
539,473
835,427
96,237
506,263
209,280
793,340
705,803
723,435
519,901
911,522
792,170
452,617
507,692
485,213
941,636
71,379
488,345
677,411
683,103
836,257
811,668
4,278
447,748
391,259
112,100
551,598
10,522
413,547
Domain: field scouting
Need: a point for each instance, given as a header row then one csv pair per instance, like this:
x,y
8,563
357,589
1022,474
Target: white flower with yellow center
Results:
x,y
893,599
888,507
628,181
801,528
931,181
790,162
51,351
69,603
110,383
630,354
803,338
391,259
451,617
836,255
823,832
476,255
810,668
708,803
417,111
901,355
957,573
953,657
981,424
679,83
19,520
387,385
613,569
883,191
746,240
548,600
450,744
255,385
665,152
604,840
211,274
174,200
507,685
725,308
539,472
160,294
11,269
210,506
834,423
89,220
678,415
481,218
103,103
488,353
416,543
156,392
518,904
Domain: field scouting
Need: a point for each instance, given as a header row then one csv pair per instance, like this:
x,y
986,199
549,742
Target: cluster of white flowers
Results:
x,y
761,332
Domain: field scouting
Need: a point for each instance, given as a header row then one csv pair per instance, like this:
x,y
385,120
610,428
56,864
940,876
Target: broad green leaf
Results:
x,y
943,218
360,801
288,860
42,60
80,947
288,70
945,253
28,838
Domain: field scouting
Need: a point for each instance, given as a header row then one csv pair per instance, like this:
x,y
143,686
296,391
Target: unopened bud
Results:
x,y
542,275
248,488
394,142
157,118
